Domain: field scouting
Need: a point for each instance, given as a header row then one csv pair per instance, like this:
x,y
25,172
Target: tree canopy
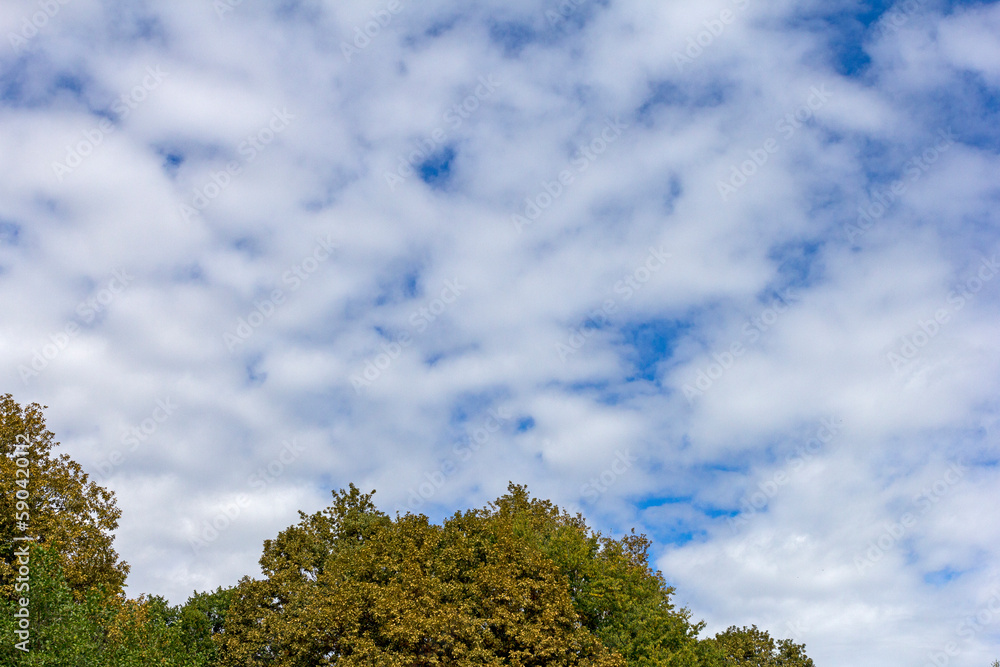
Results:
x,y
105,630
750,646
62,508
350,586
516,583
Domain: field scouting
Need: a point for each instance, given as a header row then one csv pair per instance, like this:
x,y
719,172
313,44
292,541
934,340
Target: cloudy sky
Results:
x,y
723,271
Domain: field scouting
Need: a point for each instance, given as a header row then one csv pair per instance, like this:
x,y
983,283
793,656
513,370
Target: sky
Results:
x,y
723,271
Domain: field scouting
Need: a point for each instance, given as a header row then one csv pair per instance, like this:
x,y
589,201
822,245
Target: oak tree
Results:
x,y
99,630
618,596
50,498
755,648
349,586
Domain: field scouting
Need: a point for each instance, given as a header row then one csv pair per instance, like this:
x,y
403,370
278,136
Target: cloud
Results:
x,y
440,247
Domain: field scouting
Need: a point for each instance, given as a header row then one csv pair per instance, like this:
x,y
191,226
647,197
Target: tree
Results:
x,y
50,498
103,629
615,592
516,583
58,630
201,621
350,586
750,646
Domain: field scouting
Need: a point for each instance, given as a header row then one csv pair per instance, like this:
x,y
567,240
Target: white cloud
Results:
x,y
493,345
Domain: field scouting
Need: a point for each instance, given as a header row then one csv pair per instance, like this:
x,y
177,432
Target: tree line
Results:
x,y
518,582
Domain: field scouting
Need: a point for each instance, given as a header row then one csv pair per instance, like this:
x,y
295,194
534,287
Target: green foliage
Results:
x,y
62,631
351,587
615,592
65,511
201,621
750,646
102,630
518,583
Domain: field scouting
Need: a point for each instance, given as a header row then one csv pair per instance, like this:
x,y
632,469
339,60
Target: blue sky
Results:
x,y
721,271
